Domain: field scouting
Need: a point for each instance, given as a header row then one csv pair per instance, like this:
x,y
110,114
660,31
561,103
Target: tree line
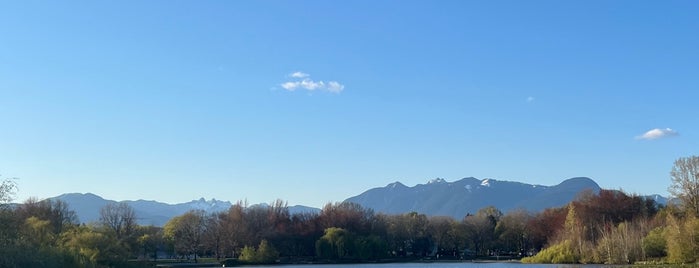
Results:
x,y
46,233
608,228
605,227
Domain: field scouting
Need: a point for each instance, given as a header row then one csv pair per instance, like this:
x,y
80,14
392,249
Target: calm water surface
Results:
x,y
441,265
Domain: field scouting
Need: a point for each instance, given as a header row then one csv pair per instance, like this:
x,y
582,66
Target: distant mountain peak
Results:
x,y
209,205
579,182
81,194
87,196
397,184
486,182
436,181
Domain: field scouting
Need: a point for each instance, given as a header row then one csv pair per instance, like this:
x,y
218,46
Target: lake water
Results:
x,y
441,265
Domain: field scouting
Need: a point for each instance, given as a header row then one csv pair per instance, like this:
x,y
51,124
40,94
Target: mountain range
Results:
x,y
466,196
437,197
87,207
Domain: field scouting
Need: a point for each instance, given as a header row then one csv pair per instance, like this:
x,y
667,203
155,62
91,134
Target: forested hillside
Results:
x,y
466,196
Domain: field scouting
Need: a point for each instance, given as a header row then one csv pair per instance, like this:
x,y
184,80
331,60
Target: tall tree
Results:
x,y
213,237
685,183
481,228
234,229
440,230
511,231
149,240
186,232
574,231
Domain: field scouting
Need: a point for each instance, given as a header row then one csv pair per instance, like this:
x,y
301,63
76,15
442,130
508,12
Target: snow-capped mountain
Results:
x,y
437,197
456,199
212,205
87,207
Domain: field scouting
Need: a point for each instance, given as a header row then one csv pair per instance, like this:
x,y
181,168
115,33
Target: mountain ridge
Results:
x,y
439,197
149,212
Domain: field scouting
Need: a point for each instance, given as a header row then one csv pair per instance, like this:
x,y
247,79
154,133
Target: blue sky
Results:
x,y
317,101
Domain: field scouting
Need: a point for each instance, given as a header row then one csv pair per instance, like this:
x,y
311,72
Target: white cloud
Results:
x,y
299,75
311,85
335,87
290,86
657,133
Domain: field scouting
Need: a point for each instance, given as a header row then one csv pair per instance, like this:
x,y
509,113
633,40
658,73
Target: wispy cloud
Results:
x,y
335,87
530,99
311,85
657,133
299,75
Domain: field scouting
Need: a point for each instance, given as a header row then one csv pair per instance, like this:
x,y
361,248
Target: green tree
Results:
x,y
574,232
561,252
37,245
682,239
248,254
265,254
149,240
93,246
335,244
371,247
654,244
186,232
38,232
86,243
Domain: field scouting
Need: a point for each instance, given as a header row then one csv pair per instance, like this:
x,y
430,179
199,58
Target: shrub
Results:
x,y
265,253
558,253
654,244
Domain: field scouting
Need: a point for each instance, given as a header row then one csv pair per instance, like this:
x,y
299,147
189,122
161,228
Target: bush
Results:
x,y
248,254
558,253
654,244
265,254
371,248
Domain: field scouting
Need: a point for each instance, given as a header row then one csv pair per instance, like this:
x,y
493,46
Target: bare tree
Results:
x,y
512,231
119,218
7,190
440,230
233,223
685,183
54,211
212,239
